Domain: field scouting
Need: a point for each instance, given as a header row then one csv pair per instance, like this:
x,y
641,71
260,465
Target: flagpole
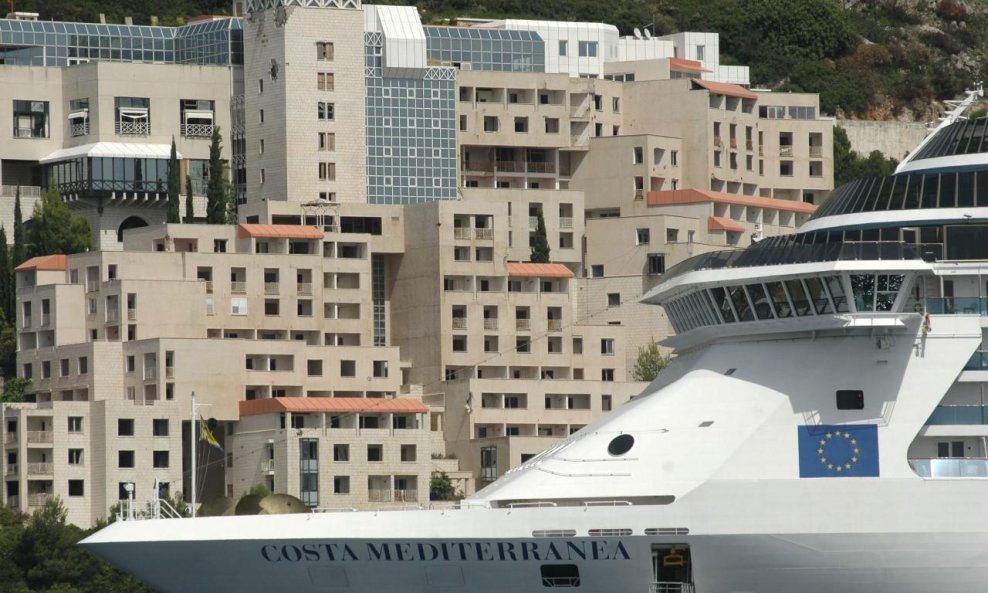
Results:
x,y
192,491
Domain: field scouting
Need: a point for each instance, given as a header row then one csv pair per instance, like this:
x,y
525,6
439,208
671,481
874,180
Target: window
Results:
x,y
642,236
552,125
260,116
674,158
63,367
341,452
588,49
523,345
260,85
607,346
613,299
606,403
159,459
606,374
848,399
408,453
77,488
638,155
490,123
46,369
125,459
375,453
75,456
597,271
521,125
133,116
327,141
616,107
381,368
327,171
560,575
75,424
125,427
326,110
324,81
700,51
459,343
488,463
348,368
30,119
341,484
950,449
313,368
656,263
562,48
159,427
324,50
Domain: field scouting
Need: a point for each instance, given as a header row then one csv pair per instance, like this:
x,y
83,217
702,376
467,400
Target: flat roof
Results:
x,y
124,150
335,405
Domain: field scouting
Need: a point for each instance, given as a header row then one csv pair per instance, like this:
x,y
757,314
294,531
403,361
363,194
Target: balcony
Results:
x,y
670,587
40,469
9,437
555,325
132,128
462,233
238,288
112,315
378,495
749,145
10,469
267,466
957,306
510,166
933,469
25,321
816,152
303,289
40,436
523,324
565,222
209,287
150,373
490,323
169,372
29,133
79,129
27,191
785,151
734,144
478,166
459,323
406,495
718,141
196,130
271,288
45,319
484,234
534,167
533,221
131,314
38,499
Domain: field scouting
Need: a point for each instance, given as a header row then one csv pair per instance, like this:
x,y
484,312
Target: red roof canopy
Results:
x,y
45,262
719,223
278,231
335,405
723,88
688,65
531,270
697,196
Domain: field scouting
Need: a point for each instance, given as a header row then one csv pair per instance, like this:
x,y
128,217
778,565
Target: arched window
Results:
x,y
131,222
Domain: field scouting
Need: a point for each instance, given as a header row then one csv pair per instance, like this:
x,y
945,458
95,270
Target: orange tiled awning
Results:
x,y
278,231
681,65
697,196
719,223
334,405
531,270
723,88
45,262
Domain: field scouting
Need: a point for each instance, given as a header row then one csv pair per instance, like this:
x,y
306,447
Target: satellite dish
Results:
x,y
249,505
647,34
638,33
282,504
218,506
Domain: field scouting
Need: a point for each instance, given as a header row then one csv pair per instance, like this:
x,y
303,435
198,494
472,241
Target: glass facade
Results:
x,y
965,136
41,43
486,49
955,189
96,175
411,135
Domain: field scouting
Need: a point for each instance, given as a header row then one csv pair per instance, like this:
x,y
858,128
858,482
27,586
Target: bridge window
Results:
x,y
560,575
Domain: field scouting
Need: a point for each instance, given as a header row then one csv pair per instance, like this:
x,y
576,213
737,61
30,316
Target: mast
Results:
x,y
192,455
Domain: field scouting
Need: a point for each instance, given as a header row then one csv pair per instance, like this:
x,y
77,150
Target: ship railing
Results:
x,y
334,510
560,581
957,306
607,503
532,504
957,467
670,587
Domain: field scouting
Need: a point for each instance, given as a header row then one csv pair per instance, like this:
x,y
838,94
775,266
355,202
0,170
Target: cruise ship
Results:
x,y
822,429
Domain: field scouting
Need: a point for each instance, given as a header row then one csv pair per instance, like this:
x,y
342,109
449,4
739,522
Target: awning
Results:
x,y
198,114
278,231
125,150
332,405
723,88
133,113
719,223
79,114
680,64
531,270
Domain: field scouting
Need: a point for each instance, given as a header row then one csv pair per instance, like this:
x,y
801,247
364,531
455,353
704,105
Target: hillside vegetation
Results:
x,y
873,59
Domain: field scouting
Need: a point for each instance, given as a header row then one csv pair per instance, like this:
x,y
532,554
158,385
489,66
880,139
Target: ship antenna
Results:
x,y
956,112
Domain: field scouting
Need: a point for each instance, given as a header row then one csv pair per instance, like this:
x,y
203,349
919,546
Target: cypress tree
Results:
x,y
216,194
540,247
20,249
173,183
190,215
6,279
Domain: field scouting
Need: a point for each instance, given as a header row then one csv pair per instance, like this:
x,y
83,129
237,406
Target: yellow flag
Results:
x,y
206,435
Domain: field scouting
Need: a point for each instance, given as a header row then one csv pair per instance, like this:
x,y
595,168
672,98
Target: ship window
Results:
x,y
965,189
837,293
720,298
818,295
760,301
621,444
930,186
888,286
948,190
863,289
741,303
778,294
799,300
850,399
706,423
560,575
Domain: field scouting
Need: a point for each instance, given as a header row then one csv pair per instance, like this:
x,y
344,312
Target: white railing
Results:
x,y
533,221
670,587
131,314
459,323
37,499
461,233
39,436
132,128
406,495
378,495
238,287
39,468
785,151
27,191
28,133
484,234
271,288
565,222
196,130
80,129
490,323
267,465
150,373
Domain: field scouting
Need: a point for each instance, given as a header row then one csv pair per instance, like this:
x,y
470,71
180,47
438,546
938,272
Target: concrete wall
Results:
x,y
892,138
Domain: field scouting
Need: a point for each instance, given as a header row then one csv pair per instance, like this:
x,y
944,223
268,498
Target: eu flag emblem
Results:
x,y
843,451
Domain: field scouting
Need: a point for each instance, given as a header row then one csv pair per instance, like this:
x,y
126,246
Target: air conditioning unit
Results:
x,y
466,66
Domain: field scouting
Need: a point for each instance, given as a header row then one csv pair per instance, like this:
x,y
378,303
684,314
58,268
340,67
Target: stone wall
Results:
x,y
891,138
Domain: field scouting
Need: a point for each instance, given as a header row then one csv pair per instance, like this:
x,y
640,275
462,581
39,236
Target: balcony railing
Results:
x,y
303,289
959,415
670,587
38,499
816,152
267,465
39,436
459,323
238,287
407,495
26,321
27,191
150,373
785,151
132,128
378,495
112,315
40,468
511,166
196,130
749,145
131,314
461,233
10,468
29,133
555,325
950,468
533,221
79,129
45,319
478,166
565,222
534,167
209,287
523,324
9,437
957,306
271,288
490,323
169,372
484,234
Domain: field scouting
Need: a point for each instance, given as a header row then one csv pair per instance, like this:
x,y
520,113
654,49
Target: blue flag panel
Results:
x,y
843,451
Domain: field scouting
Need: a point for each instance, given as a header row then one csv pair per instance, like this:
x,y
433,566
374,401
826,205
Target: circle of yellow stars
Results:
x,y
840,467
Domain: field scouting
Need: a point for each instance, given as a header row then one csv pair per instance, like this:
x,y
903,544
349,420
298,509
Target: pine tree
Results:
x,y
20,248
216,193
173,183
56,229
190,215
540,248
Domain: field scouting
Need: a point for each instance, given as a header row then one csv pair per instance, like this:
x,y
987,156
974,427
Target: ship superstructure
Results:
x,y
823,428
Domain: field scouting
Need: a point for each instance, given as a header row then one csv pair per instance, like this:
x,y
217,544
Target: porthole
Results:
x,y
621,444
